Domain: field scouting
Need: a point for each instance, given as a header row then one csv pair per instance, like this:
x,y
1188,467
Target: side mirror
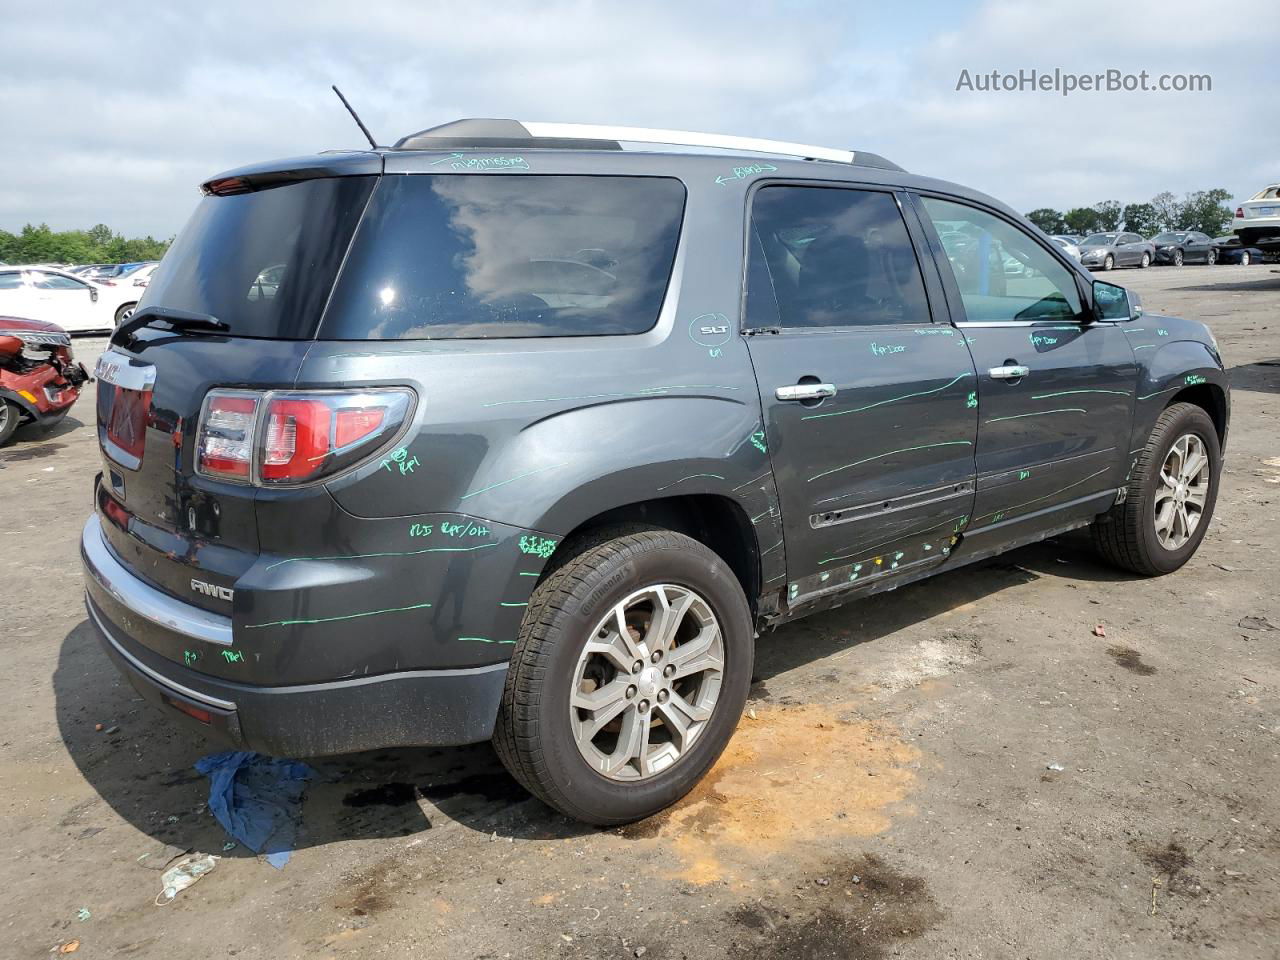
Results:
x,y
1115,303
93,294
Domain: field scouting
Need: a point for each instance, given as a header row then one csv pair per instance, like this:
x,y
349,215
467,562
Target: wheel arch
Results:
x,y
718,522
1212,399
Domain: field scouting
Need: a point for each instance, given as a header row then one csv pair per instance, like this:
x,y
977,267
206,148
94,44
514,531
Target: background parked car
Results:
x,y
1072,250
1231,250
1258,218
1184,246
73,303
142,276
1107,250
1071,238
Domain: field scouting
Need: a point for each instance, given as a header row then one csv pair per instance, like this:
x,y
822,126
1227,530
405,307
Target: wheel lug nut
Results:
x,y
657,655
644,706
637,666
668,670
631,691
662,696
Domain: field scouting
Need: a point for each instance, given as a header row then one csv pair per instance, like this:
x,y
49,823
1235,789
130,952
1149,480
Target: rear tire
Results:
x,y
542,735
1245,260
10,417
1211,257
124,312
1127,535
1146,260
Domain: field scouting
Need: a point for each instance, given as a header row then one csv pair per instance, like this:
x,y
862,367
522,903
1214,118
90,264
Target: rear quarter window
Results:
x,y
508,255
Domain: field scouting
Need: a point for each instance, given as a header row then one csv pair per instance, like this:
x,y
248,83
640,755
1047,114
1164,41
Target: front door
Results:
x,y
1055,385
870,406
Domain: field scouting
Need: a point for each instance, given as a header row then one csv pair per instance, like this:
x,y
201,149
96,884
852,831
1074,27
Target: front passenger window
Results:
x,y
1003,273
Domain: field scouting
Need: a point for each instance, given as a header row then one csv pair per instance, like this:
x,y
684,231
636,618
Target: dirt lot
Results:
x,y
958,769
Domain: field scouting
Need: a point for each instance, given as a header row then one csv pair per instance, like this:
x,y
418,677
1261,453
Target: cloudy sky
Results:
x,y
113,113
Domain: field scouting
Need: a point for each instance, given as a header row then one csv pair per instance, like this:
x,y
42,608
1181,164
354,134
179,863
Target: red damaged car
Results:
x,y
39,378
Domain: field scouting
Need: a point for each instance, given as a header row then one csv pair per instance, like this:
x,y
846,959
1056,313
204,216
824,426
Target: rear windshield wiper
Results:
x,y
177,319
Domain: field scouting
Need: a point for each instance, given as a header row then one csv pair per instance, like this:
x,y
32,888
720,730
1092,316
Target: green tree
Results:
x,y
98,244
1206,211
1108,214
1047,219
1082,220
1141,218
1168,210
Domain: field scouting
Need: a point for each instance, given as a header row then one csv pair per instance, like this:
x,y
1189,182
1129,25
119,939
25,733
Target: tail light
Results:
x,y
1239,213
282,438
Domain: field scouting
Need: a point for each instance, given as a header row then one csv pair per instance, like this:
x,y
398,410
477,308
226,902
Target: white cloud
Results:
x,y
117,116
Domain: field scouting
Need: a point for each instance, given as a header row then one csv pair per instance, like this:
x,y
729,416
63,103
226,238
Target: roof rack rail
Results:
x,y
581,136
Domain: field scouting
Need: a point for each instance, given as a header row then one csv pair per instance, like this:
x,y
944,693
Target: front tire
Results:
x,y
629,676
1172,489
1178,258
10,417
1211,257
1108,263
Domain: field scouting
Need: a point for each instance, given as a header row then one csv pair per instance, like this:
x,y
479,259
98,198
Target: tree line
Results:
x,y
99,244
1202,210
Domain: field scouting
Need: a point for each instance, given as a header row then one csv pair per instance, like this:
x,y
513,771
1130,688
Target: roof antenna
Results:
x,y
354,116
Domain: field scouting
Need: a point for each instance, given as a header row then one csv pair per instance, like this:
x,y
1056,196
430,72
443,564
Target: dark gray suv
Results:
x,y
509,432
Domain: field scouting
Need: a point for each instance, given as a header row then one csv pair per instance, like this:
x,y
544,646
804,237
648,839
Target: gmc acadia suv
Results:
x,y
510,432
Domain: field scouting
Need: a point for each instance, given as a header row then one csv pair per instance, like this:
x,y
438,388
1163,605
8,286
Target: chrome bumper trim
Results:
x,y
154,675
144,600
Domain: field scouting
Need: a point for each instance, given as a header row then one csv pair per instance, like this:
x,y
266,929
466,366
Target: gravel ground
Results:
x,y
961,768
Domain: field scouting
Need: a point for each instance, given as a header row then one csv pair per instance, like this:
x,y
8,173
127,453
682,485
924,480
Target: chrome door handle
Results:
x,y
806,391
1008,373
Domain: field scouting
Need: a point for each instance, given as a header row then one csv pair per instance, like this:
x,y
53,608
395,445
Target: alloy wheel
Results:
x,y
647,682
1182,491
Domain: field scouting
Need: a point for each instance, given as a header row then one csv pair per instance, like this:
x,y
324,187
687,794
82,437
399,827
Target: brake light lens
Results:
x,y
278,438
1239,213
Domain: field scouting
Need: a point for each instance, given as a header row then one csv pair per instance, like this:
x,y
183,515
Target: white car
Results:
x,y
1068,247
1259,217
75,304
140,277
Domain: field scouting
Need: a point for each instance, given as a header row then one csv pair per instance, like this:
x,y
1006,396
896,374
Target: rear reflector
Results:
x,y
278,438
204,716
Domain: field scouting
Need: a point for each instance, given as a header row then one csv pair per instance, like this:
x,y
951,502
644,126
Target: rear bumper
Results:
x,y
410,708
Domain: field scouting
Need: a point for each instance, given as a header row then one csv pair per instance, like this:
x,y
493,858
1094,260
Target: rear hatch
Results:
x,y
236,305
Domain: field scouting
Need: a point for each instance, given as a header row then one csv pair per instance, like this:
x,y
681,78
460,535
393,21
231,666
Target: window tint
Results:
x,y
1003,274
463,256
10,281
833,257
263,262
55,281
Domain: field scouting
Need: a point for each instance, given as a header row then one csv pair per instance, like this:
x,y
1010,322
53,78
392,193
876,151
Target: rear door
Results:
x,y
65,301
869,403
1198,245
1055,386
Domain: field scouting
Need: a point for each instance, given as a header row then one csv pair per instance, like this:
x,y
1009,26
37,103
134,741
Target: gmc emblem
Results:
x,y
213,590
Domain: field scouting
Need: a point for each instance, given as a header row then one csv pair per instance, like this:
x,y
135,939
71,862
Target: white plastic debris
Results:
x,y
1054,766
182,875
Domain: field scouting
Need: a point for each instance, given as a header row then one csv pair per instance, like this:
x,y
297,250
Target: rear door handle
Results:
x,y
806,391
1008,373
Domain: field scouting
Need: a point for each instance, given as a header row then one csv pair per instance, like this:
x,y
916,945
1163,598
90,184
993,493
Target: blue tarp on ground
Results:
x,y
257,799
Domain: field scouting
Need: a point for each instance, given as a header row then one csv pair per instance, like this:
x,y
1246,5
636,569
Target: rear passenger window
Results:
x,y
1003,274
830,256
508,255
